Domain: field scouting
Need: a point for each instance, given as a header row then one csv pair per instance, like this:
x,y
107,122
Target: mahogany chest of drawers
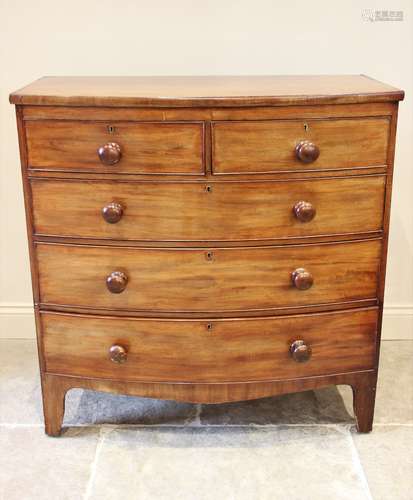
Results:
x,y
207,239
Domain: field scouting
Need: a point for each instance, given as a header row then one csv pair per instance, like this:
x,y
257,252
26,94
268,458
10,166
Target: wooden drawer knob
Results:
x,y
116,282
112,212
109,153
302,279
118,354
304,211
307,151
300,351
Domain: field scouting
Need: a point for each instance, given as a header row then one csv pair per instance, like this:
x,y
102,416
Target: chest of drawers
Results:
x,y
207,239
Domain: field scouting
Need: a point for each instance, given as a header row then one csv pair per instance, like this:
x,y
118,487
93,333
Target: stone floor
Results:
x,y
299,446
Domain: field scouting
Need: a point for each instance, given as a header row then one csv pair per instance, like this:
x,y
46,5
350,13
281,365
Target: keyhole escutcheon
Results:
x,y
209,255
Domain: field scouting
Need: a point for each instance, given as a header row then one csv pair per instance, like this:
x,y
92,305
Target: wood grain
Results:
x,y
235,211
157,148
160,91
248,313
362,382
229,351
34,173
269,146
235,279
213,113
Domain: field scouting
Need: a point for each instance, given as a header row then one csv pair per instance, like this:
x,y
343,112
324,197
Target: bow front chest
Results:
x,y
207,239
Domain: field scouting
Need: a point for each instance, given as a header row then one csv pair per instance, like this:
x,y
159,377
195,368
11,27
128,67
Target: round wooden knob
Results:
x,y
116,282
307,151
304,211
302,279
300,351
109,153
112,212
118,354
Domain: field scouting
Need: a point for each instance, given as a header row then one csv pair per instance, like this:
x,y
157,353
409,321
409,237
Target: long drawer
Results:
x,y
220,279
118,147
209,350
208,212
288,145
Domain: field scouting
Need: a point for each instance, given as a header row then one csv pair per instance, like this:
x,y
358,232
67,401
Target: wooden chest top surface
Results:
x,y
158,91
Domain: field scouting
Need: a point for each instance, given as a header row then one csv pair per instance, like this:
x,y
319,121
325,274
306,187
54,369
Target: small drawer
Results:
x,y
239,350
224,211
252,147
216,280
119,147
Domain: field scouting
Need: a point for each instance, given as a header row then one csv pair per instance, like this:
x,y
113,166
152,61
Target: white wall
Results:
x,y
133,37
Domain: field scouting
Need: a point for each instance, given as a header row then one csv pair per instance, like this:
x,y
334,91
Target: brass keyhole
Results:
x,y
306,127
208,189
209,255
111,129
209,327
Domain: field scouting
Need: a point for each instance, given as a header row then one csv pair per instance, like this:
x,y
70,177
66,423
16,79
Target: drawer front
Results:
x,y
224,351
190,280
270,146
143,148
215,212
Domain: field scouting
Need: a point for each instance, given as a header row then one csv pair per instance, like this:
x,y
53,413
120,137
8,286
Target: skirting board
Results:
x,y
17,322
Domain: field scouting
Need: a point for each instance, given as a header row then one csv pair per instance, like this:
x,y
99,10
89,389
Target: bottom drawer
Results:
x,y
226,350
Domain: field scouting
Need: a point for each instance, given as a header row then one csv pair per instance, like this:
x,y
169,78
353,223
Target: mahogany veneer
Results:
x,y
272,145
145,148
207,239
218,211
215,280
